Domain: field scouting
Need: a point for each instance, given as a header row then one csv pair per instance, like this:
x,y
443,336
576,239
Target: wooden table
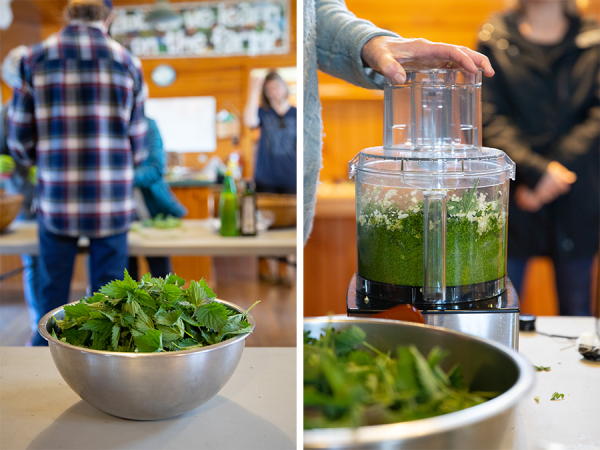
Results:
x,y
193,238
255,410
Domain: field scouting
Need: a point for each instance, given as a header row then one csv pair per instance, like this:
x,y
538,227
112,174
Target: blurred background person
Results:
x,y
153,196
268,108
20,179
543,109
85,153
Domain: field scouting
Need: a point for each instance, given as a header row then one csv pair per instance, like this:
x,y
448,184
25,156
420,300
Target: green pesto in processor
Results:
x,y
390,239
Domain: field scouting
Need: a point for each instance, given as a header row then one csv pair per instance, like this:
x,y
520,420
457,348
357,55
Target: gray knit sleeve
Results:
x,y
340,39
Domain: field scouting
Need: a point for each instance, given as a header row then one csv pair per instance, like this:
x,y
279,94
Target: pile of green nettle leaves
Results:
x,y
348,383
154,315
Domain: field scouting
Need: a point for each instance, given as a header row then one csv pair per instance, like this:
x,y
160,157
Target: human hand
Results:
x,y
555,181
7,166
526,199
388,55
256,84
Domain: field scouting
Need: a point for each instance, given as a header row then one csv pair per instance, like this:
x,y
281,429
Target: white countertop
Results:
x,y
572,423
193,238
255,410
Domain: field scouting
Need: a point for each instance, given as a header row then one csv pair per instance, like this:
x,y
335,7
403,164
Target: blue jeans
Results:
x,y
160,266
573,282
108,260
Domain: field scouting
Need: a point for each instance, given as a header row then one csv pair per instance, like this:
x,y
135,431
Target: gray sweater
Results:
x,y
333,40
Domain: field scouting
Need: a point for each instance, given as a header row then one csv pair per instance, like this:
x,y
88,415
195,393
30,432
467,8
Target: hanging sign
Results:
x,y
206,29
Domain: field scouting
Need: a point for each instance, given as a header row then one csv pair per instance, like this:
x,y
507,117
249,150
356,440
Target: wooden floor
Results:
x,y
236,281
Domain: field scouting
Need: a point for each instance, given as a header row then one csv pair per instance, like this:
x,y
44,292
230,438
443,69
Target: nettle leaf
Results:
x,y
129,283
100,339
168,318
100,325
143,323
212,315
199,293
115,337
149,342
126,319
170,334
170,292
114,289
236,328
174,279
77,310
348,339
147,278
131,306
145,299
189,320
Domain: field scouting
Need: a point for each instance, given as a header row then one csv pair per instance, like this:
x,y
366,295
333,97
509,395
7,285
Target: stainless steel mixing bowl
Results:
x,y
145,386
487,366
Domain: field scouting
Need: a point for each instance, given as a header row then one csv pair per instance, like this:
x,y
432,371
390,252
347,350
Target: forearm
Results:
x,y
582,139
251,109
22,134
340,39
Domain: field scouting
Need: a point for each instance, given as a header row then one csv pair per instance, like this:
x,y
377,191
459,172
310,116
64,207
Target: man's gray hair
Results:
x,y
87,10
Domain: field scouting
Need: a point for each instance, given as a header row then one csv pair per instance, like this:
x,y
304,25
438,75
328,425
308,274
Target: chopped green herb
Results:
x,y
541,369
152,315
557,396
390,238
348,383
160,221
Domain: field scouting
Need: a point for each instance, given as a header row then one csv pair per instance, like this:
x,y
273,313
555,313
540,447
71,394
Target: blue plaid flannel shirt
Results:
x,y
79,115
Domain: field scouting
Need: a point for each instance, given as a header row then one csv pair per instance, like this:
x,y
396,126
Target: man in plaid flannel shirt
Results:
x,y
79,115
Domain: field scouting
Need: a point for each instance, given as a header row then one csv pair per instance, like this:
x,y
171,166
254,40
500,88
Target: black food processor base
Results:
x,y
495,318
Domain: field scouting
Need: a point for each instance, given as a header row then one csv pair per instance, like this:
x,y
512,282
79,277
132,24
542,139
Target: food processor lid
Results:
x,y
433,110
381,161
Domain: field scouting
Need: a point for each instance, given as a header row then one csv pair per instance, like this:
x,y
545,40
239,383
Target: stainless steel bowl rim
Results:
x,y
44,320
421,427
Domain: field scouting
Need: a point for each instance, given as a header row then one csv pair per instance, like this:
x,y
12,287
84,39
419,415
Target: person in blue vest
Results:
x,y
153,197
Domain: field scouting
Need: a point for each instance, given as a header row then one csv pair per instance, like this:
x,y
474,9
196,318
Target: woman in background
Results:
x,y
269,109
275,169
543,109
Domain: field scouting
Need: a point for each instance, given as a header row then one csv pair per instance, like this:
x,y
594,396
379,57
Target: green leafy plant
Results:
x,y
152,315
163,222
349,383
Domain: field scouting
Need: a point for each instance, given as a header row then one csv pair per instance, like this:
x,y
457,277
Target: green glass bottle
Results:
x,y
228,206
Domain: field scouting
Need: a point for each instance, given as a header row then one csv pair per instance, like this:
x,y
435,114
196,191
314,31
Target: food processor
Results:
x,y
432,210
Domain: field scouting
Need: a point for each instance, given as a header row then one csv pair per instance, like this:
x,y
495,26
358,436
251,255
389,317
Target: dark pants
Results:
x,y
108,260
160,266
573,282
